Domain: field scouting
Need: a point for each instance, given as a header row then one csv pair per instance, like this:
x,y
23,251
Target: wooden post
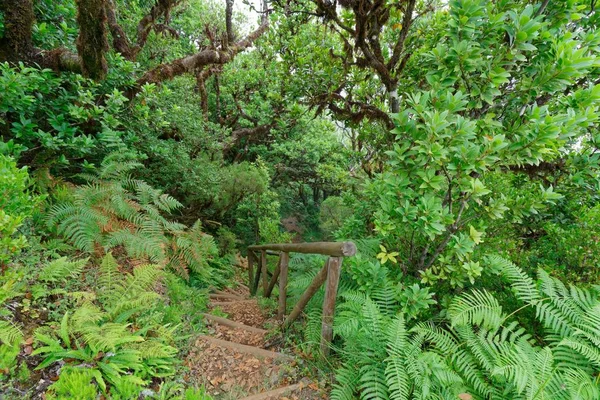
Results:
x,y
263,266
333,279
307,295
257,273
250,259
283,277
274,277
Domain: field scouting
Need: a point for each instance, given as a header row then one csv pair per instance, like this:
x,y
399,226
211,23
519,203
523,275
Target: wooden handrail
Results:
x,y
329,275
333,249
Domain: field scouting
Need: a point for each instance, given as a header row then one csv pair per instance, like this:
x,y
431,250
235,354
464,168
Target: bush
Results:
x,y
226,241
334,213
16,205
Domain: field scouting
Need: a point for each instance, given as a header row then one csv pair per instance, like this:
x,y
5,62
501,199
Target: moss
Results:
x,y
92,41
16,43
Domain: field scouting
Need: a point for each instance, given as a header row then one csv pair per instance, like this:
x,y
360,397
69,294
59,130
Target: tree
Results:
x,y
513,95
93,17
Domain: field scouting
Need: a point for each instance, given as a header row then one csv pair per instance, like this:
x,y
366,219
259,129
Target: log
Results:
x,y
333,249
276,393
242,348
225,296
224,303
263,269
234,324
274,278
283,280
333,279
307,295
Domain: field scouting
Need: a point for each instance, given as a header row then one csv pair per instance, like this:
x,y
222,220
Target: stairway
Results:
x,y
238,359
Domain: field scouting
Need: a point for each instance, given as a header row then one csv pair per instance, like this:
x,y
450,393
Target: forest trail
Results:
x,y
240,358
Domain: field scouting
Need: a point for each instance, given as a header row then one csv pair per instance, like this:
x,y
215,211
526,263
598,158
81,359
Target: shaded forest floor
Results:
x,y
243,356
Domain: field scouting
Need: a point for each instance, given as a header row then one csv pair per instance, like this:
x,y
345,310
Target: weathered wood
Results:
x,y
242,348
250,259
263,266
333,279
225,303
333,249
283,280
307,295
225,296
256,275
234,324
276,393
274,277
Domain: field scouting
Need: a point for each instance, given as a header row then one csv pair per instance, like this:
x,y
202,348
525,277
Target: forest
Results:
x,y
146,144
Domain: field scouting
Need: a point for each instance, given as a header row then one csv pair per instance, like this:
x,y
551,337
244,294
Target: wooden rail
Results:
x,y
328,275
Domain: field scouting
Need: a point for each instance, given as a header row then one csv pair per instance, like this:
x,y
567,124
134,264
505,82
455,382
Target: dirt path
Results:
x,y
240,358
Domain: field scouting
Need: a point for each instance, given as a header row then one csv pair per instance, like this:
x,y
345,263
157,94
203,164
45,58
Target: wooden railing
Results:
x,y
329,274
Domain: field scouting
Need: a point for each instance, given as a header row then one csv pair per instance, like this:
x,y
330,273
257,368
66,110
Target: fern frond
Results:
x,y
397,378
10,334
477,308
346,384
372,381
521,283
397,336
107,337
591,353
61,269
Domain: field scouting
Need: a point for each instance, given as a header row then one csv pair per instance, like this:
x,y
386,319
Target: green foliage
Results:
x,y
46,117
116,331
16,205
480,350
572,247
490,103
494,149
226,241
115,210
74,382
333,215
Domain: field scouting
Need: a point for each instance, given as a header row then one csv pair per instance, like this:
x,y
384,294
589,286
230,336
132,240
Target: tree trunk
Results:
x,y
17,44
92,43
394,101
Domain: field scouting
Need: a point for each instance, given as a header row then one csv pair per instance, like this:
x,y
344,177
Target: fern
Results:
x,y
347,383
10,334
478,350
61,269
114,210
521,283
116,332
477,308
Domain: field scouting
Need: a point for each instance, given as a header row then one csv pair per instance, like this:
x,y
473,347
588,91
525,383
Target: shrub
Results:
x,y
334,213
114,210
16,205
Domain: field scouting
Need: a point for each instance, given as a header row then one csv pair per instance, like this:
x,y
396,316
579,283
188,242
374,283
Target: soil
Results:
x,y
230,374
248,313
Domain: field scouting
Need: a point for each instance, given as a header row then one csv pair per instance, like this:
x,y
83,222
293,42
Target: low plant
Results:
x,y
114,210
115,340
477,350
